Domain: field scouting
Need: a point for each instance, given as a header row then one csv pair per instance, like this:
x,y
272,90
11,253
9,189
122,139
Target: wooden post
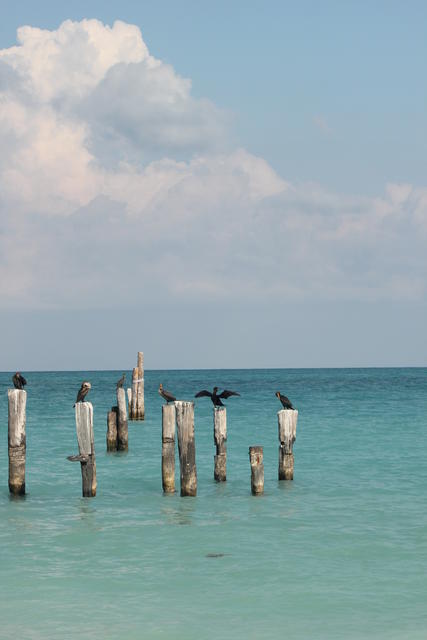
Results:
x,y
112,429
168,447
137,409
84,428
134,399
220,437
287,421
122,421
129,396
17,400
186,447
140,391
257,470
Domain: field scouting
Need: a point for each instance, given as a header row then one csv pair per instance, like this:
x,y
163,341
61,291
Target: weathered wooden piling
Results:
x,y
168,447
137,408
85,439
112,429
122,421
17,400
220,438
140,391
129,397
186,447
257,470
287,422
134,399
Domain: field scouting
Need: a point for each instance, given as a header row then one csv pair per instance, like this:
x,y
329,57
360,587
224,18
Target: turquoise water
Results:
x,y
340,552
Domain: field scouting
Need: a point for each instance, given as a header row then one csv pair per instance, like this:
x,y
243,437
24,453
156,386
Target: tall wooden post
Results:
x,y
257,470
129,397
134,398
140,391
86,457
122,421
287,421
220,437
168,447
137,408
112,429
186,447
17,400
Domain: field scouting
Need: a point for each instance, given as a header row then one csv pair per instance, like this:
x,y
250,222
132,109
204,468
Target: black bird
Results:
x,y
83,391
121,382
166,395
19,381
287,404
215,397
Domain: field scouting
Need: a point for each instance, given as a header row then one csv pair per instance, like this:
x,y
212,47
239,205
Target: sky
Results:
x,y
218,184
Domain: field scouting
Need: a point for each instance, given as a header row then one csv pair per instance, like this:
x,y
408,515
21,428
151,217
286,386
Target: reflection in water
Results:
x,y
181,513
285,485
17,498
87,513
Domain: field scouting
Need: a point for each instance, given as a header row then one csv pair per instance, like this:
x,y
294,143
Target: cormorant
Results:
x,y
215,397
287,404
166,395
83,391
121,382
19,381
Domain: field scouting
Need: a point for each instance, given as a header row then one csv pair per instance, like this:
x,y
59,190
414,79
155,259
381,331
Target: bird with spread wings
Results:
x,y
215,396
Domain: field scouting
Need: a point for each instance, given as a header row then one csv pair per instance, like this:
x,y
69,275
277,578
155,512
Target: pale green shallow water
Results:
x,y
340,552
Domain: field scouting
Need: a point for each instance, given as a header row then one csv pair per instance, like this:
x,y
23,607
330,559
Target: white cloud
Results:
x,y
112,174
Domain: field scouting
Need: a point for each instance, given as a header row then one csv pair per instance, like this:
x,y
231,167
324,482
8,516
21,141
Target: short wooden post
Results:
x,y
112,429
168,447
122,421
186,447
129,396
140,390
257,470
287,421
17,400
220,437
86,457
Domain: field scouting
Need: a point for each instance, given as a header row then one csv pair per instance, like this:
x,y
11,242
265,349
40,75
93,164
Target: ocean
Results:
x,y
340,552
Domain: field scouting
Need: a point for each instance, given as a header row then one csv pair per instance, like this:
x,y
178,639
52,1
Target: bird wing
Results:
x,y
226,394
23,381
203,393
168,396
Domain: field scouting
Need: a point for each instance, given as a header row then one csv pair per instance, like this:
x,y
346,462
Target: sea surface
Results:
x,y
340,552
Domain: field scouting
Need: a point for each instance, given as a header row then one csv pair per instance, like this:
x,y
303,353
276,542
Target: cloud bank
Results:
x,y
118,186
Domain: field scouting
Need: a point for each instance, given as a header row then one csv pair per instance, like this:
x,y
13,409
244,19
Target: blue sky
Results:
x,y
256,171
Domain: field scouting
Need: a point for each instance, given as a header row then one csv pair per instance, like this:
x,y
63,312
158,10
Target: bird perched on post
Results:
x,y
121,382
287,404
83,391
215,397
166,395
19,381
